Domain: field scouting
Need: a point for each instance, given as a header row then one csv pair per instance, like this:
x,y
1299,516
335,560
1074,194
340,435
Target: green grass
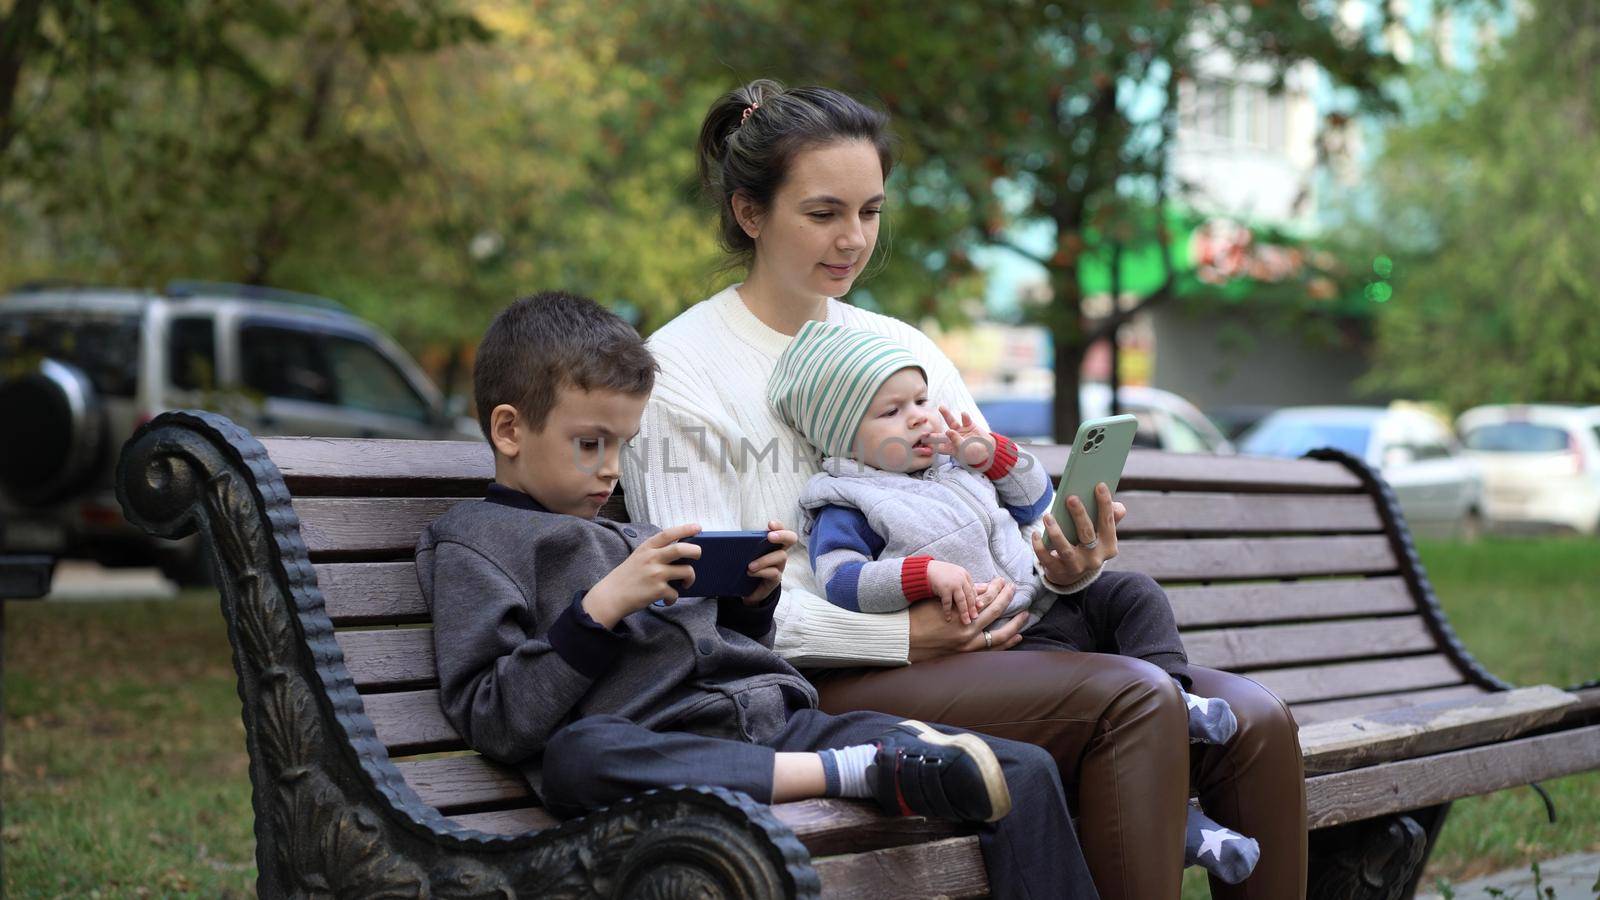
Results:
x,y
124,766
125,773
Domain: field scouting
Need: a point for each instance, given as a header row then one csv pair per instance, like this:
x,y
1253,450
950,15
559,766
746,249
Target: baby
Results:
x,y
911,505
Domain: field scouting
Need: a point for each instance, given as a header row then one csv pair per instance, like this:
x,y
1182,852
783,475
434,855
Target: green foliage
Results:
x,y
1014,114
1488,201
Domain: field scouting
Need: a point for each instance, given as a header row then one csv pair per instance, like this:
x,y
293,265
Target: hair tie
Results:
x,y
747,111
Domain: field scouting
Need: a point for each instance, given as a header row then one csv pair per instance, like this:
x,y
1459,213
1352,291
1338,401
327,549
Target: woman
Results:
x,y
798,177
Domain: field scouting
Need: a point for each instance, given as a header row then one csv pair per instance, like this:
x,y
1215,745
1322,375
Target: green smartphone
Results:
x,y
1099,451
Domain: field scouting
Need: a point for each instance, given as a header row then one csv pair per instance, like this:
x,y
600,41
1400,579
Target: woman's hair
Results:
x,y
752,153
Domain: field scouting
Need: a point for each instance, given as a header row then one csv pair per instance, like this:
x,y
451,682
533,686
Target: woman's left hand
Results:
x,y
1067,563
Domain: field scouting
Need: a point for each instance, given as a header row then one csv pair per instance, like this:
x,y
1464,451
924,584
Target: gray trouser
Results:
x,y
1125,613
598,760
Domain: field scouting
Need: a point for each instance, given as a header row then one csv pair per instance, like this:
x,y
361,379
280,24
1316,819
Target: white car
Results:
x,y
1541,463
1166,421
1440,490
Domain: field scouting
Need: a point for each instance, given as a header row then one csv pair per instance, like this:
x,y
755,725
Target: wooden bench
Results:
x,y
1298,573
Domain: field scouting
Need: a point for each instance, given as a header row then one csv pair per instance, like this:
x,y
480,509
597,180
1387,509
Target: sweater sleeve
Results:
x,y
504,690
844,554
1020,480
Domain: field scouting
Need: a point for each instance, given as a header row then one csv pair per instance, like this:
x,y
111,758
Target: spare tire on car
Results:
x,y
57,433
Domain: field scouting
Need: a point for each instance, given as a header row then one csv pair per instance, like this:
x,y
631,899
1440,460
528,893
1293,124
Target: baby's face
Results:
x,y
896,433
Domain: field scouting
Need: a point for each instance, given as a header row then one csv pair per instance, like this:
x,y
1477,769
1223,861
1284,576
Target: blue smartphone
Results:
x,y
723,567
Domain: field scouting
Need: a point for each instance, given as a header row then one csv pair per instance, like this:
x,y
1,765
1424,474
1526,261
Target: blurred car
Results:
x,y
1541,463
82,367
1236,420
1439,489
1166,420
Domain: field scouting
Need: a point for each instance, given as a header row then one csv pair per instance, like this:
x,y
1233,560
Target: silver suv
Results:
x,y
82,367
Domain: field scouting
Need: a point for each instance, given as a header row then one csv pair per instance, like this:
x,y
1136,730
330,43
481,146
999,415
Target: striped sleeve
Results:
x,y
1020,480
844,554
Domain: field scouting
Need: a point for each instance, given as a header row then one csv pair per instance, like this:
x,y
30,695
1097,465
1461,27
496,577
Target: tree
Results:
x,y
1013,113
1488,200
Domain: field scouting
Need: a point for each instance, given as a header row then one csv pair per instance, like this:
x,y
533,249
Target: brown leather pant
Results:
x,y
1117,727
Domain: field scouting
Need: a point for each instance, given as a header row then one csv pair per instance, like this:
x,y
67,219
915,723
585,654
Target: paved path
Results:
x,y
1572,877
79,580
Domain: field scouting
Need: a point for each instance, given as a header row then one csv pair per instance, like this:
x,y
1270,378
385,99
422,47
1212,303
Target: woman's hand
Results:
x,y
1065,563
932,636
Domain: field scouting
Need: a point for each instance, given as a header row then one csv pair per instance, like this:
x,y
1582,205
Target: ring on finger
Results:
x,y
1091,545
988,640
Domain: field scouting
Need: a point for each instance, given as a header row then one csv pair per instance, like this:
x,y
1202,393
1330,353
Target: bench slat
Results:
x,y
1279,601
1414,783
824,826
394,659
1152,512
390,659
1431,728
843,826
359,467
381,593
1341,680
335,467
411,722
1312,713
1207,559
1151,470
386,593
1279,645
949,868
508,821
465,783
366,527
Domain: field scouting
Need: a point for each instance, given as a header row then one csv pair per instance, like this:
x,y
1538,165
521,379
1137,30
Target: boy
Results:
x,y
890,522
555,655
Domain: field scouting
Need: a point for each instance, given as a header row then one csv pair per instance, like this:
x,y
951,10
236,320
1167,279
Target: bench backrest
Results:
x,y
1297,573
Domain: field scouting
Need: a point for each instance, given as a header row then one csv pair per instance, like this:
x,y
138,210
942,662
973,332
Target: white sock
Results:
x,y
845,770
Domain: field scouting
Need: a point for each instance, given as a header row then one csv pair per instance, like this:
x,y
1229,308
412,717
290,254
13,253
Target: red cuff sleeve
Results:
x,y
1005,456
914,578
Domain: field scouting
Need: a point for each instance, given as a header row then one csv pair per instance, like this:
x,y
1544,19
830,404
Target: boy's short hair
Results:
x,y
551,340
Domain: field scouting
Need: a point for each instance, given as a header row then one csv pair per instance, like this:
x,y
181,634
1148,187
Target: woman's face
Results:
x,y
819,232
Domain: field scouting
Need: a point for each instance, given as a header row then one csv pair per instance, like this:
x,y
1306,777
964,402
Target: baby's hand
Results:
x,y
970,445
953,586
769,568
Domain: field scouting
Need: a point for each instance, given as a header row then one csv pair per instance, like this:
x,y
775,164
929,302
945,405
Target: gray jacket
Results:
x,y
947,512
518,658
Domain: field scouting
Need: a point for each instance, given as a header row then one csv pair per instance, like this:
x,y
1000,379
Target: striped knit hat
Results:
x,y
825,380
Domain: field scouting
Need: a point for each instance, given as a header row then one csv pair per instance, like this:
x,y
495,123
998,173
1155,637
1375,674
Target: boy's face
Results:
x,y
895,433
571,465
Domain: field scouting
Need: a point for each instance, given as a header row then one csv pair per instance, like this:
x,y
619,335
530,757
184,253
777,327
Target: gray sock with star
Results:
x,y
1211,719
1221,851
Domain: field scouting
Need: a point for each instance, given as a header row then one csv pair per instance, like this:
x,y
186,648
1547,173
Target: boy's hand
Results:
x,y
769,568
643,578
970,445
953,586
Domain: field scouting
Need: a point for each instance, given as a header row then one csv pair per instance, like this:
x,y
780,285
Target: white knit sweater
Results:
x,y
712,451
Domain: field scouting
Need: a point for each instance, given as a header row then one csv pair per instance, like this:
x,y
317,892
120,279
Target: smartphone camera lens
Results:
x,y
1095,439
